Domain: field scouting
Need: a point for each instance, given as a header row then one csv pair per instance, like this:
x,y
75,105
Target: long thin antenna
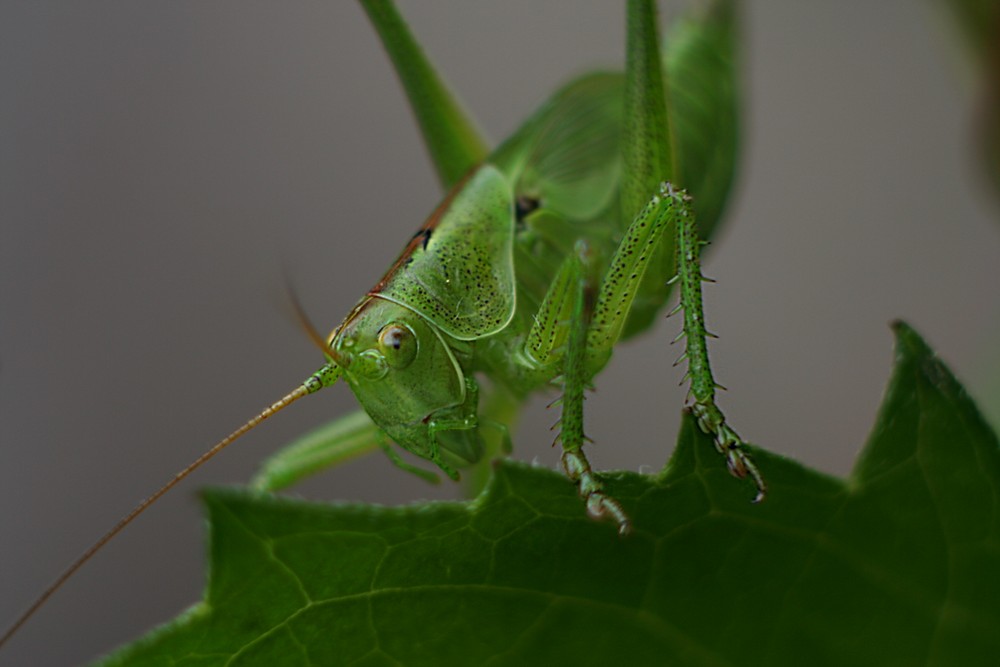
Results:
x,y
324,377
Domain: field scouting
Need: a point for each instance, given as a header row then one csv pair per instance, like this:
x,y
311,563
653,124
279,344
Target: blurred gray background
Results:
x,y
161,162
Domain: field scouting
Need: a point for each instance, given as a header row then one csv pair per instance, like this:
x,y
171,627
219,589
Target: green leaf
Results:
x,y
895,566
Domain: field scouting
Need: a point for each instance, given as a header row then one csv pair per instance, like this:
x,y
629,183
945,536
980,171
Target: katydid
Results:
x,y
544,253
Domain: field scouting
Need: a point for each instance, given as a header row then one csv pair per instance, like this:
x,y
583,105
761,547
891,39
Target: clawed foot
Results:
x,y
742,466
731,446
599,504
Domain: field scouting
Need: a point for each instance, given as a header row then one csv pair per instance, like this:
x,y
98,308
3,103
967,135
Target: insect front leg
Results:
x,y
703,384
650,155
453,434
728,443
558,339
390,451
669,209
439,427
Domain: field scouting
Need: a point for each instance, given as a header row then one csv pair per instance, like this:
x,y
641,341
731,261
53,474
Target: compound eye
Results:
x,y
399,345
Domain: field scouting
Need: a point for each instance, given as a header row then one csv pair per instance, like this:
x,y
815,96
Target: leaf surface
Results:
x,y
895,566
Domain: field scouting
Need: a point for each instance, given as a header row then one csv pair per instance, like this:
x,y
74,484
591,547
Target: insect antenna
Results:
x,y
324,377
303,320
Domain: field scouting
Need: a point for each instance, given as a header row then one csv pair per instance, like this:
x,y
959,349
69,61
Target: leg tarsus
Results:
x,y
730,445
741,465
599,504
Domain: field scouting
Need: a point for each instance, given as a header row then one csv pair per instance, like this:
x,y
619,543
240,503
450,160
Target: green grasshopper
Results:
x,y
544,253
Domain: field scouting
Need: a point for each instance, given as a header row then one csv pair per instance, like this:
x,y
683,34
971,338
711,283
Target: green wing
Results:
x,y
458,270
567,153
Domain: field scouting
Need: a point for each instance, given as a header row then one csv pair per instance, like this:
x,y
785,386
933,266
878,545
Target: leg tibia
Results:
x,y
571,435
703,385
730,445
398,461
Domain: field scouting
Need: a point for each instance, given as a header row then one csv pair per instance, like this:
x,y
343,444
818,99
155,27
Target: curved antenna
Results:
x,y
324,377
299,312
